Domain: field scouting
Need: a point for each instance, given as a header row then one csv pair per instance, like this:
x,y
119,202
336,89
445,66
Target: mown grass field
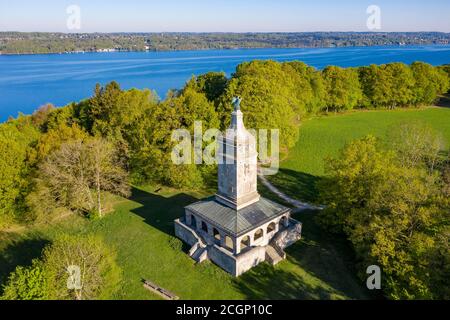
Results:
x,y
324,136
141,228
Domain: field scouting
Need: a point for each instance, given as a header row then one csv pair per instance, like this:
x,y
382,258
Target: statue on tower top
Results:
x,y
237,103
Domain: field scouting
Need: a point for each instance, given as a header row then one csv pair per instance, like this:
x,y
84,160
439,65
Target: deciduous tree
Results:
x,y
342,87
75,176
71,268
394,215
16,140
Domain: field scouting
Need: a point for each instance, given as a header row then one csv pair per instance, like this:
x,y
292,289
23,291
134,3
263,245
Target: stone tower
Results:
x,y
237,228
237,171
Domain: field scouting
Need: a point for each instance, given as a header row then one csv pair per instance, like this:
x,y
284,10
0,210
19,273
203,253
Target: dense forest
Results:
x,y
36,42
69,159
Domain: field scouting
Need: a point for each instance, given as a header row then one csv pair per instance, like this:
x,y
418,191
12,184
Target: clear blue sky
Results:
x,y
224,15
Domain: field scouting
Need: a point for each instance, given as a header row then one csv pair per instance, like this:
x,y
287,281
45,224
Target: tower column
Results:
x,y
237,172
236,246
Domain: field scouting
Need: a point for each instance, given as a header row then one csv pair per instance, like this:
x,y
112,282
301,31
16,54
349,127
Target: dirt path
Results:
x,y
298,205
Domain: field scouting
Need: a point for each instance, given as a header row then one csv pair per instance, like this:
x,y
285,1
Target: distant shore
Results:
x,y
14,43
72,77
212,49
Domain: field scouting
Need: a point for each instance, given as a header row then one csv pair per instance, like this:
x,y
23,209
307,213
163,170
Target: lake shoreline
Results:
x,y
227,49
29,81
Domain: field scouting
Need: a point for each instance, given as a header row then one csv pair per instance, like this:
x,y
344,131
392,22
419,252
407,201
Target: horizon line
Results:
x,y
222,32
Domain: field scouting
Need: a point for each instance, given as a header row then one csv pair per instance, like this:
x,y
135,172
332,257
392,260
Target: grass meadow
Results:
x,y
324,136
141,228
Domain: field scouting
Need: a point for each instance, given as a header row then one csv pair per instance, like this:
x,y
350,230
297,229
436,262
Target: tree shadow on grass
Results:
x,y
328,257
444,101
267,282
324,256
328,264
298,185
19,252
159,211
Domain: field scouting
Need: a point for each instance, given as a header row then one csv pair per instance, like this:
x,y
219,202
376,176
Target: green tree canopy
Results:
x,y
430,82
388,86
17,138
395,216
211,84
48,277
269,99
342,88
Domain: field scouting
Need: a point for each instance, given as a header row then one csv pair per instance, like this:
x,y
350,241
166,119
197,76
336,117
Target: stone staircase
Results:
x,y
200,254
274,254
289,235
199,251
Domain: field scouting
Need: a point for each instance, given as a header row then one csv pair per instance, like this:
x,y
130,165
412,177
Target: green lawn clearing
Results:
x,y
140,229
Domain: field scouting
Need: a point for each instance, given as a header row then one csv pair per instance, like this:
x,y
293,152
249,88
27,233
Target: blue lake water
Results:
x,y
28,81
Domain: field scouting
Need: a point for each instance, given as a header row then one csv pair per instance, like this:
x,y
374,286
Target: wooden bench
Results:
x,y
166,294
